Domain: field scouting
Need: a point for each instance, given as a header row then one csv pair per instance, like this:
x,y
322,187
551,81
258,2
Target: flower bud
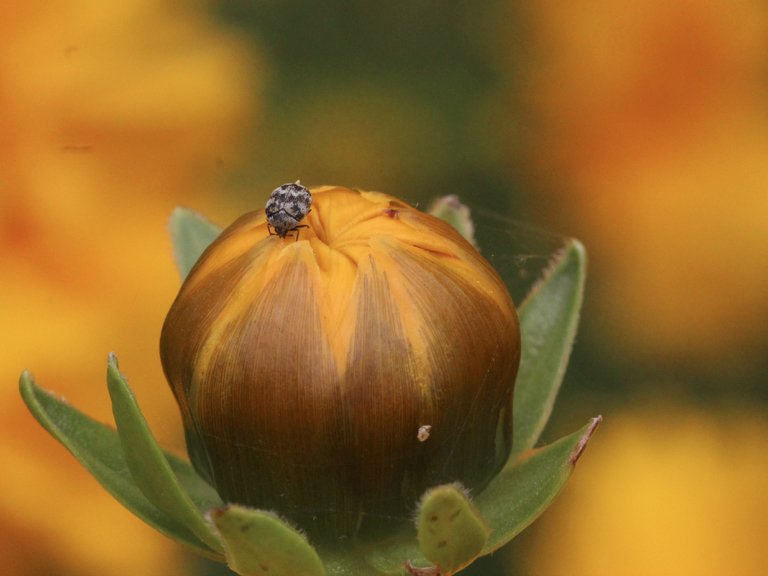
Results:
x,y
334,378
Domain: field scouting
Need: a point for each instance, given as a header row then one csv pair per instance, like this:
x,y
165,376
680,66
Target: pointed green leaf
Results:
x,y
548,321
97,447
147,463
452,533
523,490
258,543
449,208
191,233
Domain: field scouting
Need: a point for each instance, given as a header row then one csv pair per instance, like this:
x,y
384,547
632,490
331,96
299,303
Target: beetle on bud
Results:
x,y
306,369
286,207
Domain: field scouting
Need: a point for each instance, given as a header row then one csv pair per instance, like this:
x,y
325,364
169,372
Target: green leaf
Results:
x,y
548,321
389,557
449,208
97,447
258,543
354,562
452,533
523,490
147,463
191,233
202,494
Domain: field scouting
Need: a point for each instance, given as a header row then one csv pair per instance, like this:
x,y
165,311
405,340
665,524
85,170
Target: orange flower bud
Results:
x,y
335,378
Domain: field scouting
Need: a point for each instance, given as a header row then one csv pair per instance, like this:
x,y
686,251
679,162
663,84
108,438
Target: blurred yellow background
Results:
x,y
639,127
110,115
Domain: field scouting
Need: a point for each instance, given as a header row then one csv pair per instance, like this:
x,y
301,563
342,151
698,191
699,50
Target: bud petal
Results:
x,y
305,369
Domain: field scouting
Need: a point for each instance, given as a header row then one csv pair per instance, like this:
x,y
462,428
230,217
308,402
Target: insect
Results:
x,y
423,433
286,207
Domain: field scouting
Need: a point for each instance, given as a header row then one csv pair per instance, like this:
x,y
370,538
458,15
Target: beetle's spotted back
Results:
x,y
287,206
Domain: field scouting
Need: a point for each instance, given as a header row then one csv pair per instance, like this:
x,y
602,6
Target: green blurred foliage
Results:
x,y
401,97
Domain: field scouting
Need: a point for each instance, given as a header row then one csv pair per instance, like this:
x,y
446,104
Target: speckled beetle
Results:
x,y
286,207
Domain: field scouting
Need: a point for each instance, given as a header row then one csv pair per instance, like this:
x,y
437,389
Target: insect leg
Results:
x,y
297,230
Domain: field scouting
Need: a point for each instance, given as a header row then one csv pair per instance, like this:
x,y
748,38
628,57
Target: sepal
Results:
x,y
97,447
145,460
191,233
548,317
451,531
524,489
258,543
449,208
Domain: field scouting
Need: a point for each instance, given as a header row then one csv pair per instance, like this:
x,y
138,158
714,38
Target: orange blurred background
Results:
x,y
110,115
639,127
648,133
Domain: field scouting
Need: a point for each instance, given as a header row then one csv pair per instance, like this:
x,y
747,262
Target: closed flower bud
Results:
x,y
336,377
